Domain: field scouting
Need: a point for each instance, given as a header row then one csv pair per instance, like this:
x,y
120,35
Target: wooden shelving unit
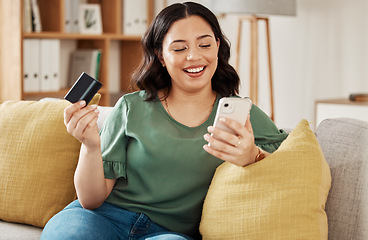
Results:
x,y
52,17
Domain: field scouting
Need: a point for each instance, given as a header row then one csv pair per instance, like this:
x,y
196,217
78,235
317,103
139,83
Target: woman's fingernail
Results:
x,y
82,103
210,129
206,137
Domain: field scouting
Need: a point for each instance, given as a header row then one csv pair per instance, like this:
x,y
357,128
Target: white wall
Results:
x,y
321,53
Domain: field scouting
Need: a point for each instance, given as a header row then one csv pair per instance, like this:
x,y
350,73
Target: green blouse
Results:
x,y
159,163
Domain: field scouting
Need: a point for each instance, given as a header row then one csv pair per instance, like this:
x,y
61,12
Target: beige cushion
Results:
x,y
37,161
280,197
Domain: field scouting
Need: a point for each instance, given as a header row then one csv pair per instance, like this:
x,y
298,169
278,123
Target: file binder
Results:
x,y
50,65
68,22
134,17
31,65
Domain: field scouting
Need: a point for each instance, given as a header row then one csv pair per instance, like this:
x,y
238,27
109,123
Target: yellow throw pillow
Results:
x,y
280,197
38,158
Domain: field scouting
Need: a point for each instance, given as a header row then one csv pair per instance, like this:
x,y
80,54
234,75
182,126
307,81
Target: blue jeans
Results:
x,y
106,222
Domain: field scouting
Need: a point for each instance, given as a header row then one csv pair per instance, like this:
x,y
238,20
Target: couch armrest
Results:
x,y
104,112
345,145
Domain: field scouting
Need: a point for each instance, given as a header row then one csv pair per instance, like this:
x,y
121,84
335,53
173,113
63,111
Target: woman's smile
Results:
x,y
195,72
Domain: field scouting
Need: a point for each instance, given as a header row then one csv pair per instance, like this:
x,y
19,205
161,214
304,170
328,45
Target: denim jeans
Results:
x,y
106,222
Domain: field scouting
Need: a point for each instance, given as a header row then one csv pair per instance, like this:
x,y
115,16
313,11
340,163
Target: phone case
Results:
x,y
233,108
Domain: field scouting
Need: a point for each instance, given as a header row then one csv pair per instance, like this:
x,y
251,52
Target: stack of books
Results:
x,y
32,18
359,97
84,60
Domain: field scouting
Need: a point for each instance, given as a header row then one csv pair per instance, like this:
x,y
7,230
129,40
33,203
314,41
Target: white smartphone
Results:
x,y
234,108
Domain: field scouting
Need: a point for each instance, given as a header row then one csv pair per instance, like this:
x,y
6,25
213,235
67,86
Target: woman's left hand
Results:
x,y
238,148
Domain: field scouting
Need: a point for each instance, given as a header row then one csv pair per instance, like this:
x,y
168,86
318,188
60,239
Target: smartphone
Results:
x,y
233,108
83,89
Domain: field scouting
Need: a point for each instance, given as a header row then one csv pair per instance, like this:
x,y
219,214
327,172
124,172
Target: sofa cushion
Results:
x,y
281,197
345,145
10,231
38,158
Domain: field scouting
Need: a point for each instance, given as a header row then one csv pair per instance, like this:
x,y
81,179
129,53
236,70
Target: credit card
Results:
x,y
83,89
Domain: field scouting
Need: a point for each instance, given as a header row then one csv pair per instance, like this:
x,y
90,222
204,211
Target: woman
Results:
x,y
149,171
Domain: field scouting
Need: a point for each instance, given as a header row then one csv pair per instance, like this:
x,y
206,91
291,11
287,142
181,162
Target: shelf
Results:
x,y
105,36
342,101
61,92
121,53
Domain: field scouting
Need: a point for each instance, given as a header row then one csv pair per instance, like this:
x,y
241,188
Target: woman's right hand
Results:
x,y
91,186
82,123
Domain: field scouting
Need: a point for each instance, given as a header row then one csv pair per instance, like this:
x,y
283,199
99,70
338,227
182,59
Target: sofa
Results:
x,y
344,143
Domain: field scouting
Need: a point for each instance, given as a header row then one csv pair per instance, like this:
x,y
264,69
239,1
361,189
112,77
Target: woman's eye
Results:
x,y
179,49
205,45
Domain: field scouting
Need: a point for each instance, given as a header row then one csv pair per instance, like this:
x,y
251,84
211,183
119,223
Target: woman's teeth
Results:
x,y
195,70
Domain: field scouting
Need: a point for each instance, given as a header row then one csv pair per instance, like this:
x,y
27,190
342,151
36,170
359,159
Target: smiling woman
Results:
x,y
151,76
148,166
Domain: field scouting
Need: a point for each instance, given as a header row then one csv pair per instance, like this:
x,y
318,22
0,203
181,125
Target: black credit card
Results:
x,y
83,89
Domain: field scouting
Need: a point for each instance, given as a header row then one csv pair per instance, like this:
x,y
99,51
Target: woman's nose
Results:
x,y
193,55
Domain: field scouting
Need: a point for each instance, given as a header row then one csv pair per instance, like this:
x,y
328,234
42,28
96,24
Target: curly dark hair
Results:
x,y
151,76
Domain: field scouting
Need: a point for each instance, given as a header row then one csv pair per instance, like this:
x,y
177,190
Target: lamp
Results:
x,y
250,10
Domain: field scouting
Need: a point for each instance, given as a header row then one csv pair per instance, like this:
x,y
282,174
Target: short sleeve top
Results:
x,y
160,165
